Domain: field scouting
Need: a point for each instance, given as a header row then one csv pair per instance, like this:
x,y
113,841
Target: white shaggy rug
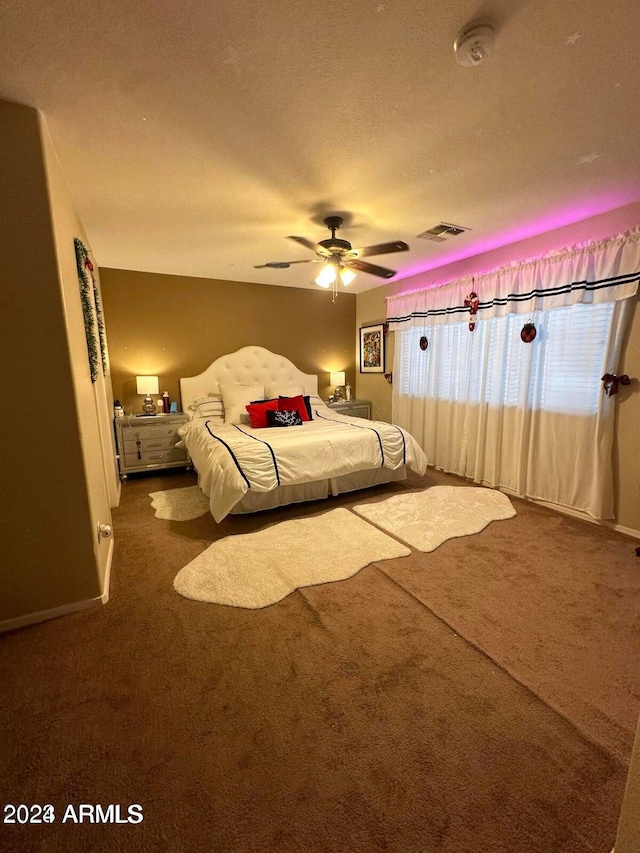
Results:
x,y
257,569
427,519
180,504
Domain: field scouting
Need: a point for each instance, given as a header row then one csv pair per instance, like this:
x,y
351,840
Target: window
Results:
x,y
559,372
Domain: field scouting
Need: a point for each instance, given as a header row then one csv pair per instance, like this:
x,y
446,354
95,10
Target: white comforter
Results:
x,y
231,459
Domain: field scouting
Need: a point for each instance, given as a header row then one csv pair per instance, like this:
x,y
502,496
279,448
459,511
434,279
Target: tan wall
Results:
x,y
94,402
172,326
628,836
371,308
48,558
626,452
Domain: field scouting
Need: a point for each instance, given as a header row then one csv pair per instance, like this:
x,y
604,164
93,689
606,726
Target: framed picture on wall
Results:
x,y
372,349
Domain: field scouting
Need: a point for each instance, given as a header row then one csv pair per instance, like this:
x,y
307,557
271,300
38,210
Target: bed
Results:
x,y
243,468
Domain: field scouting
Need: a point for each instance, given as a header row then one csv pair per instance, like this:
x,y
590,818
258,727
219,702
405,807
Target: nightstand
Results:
x,y
149,442
353,408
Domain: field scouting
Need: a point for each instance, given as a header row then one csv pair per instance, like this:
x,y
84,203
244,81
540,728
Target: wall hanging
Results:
x,y
472,302
91,309
372,349
528,332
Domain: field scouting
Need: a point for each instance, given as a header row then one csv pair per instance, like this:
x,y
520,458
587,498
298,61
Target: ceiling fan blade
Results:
x,y
380,249
319,250
282,265
364,266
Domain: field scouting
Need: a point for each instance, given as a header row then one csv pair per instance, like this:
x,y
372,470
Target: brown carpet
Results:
x,y
347,717
556,602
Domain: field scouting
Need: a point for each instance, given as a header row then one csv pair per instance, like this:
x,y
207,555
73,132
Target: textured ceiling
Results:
x,y
195,137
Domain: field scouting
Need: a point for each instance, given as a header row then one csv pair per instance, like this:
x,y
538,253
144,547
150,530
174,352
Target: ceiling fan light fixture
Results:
x,y
340,261
326,276
347,276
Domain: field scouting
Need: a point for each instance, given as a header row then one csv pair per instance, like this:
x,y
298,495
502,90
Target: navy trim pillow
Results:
x,y
283,419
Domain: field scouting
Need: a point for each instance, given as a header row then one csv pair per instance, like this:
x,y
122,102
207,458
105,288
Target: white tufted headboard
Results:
x,y
247,366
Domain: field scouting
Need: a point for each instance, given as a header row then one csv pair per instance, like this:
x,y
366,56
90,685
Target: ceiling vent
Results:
x,y
441,232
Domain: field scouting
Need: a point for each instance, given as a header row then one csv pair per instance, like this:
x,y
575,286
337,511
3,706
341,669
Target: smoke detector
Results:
x,y
474,43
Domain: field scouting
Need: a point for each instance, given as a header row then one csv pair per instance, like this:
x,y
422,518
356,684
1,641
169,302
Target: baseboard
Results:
x,y
45,615
107,575
620,528
565,510
64,609
576,513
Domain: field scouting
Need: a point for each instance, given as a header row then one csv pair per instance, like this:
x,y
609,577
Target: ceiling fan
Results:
x,y
339,258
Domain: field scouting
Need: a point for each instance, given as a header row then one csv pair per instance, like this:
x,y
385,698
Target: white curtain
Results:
x,y
532,418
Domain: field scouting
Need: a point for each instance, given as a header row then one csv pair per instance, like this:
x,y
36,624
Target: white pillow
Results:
x,y
207,407
284,391
236,398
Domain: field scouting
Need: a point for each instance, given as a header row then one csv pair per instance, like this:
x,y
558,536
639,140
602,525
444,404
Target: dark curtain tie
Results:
x,y
611,382
472,302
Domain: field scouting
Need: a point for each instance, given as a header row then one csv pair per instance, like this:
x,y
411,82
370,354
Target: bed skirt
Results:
x,y
317,490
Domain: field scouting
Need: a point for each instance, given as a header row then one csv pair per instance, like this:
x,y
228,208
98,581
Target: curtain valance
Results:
x,y
595,272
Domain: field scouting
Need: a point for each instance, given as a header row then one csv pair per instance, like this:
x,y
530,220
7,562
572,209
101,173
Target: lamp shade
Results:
x,y
347,276
147,385
337,378
326,276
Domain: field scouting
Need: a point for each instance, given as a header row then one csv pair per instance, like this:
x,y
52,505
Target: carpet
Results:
x,y
554,601
427,519
254,570
346,718
180,504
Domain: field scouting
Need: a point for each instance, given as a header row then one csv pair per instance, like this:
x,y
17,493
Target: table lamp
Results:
x,y
147,385
338,379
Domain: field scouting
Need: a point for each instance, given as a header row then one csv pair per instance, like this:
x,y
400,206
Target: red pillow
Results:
x,y
294,404
258,412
